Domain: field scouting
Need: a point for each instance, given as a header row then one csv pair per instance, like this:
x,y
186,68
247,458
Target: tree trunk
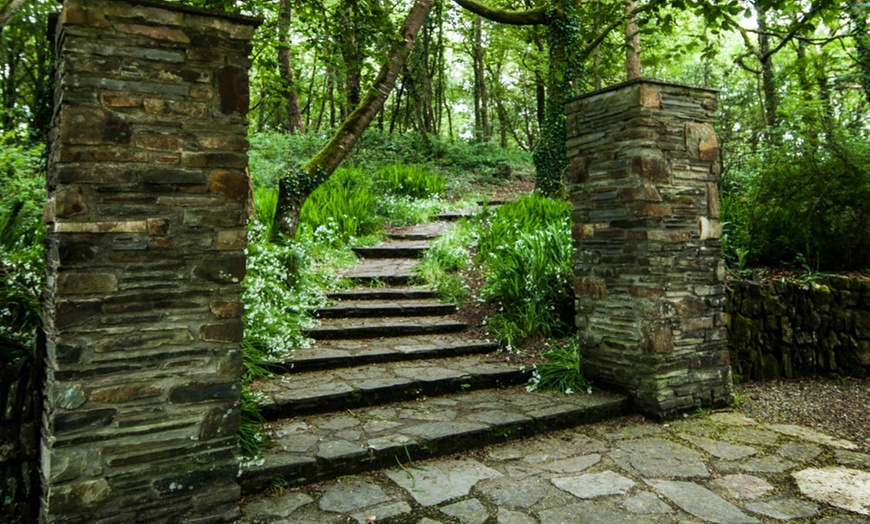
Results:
x,y
295,187
350,51
481,118
7,11
632,43
768,81
294,113
859,12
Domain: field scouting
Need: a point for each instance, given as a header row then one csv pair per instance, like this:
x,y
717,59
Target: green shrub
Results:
x,y
410,180
345,205
526,257
809,200
22,252
560,372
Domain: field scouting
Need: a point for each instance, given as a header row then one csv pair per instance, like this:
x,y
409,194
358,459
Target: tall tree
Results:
x,y
296,185
294,113
481,116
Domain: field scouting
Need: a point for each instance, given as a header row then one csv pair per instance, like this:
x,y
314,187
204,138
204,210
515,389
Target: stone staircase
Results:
x,y
394,377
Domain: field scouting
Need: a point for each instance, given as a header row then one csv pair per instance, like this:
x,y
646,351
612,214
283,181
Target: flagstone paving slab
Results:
x,y
722,450
743,487
656,457
841,487
701,502
784,508
442,480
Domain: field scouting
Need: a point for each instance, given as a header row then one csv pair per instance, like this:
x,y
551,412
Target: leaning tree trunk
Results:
x,y
297,184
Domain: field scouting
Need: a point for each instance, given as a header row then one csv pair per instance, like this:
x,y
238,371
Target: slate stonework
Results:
x,y
146,220
798,329
643,180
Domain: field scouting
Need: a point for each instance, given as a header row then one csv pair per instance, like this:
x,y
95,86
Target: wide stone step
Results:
x,y
317,447
326,354
397,271
420,231
383,293
384,327
386,308
369,385
394,249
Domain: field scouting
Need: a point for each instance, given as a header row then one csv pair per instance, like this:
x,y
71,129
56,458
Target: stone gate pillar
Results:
x,y
146,231
643,179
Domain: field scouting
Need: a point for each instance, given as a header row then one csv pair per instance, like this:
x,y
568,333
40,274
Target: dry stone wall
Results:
x,y
643,179
795,329
146,235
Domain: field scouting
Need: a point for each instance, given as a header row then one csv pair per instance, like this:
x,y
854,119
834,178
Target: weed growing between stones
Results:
x,y
560,372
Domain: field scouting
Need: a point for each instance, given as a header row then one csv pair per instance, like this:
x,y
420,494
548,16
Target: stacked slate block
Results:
x,y
146,230
800,329
649,276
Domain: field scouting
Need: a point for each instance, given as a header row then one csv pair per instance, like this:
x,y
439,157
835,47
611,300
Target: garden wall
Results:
x,y
145,225
794,329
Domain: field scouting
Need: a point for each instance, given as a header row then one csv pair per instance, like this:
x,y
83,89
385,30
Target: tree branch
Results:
x,y
533,16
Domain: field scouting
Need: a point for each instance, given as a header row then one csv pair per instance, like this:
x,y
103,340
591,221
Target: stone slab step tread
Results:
x,y
420,231
317,447
327,354
383,293
386,308
394,249
388,270
354,387
384,327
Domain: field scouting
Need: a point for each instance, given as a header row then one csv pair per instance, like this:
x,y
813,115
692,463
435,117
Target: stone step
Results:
x,y
452,216
394,249
369,385
329,354
318,447
386,308
383,293
396,271
420,231
384,327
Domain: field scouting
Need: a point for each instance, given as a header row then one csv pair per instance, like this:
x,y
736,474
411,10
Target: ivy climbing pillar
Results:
x,y
145,219
643,178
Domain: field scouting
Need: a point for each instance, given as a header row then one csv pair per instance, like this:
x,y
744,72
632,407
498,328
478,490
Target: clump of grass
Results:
x,y
410,180
526,257
345,204
446,256
560,372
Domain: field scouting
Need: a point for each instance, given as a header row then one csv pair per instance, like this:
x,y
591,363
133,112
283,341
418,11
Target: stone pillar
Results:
x,y
147,192
643,179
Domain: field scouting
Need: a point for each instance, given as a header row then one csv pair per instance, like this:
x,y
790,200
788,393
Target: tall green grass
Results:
x,y
526,256
345,204
410,180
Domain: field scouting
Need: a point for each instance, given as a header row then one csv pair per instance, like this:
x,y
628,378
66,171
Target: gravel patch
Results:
x,y
836,406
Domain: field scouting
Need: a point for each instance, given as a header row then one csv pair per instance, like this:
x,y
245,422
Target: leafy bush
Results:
x,y
344,204
22,253
560,372
528,269
411,181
